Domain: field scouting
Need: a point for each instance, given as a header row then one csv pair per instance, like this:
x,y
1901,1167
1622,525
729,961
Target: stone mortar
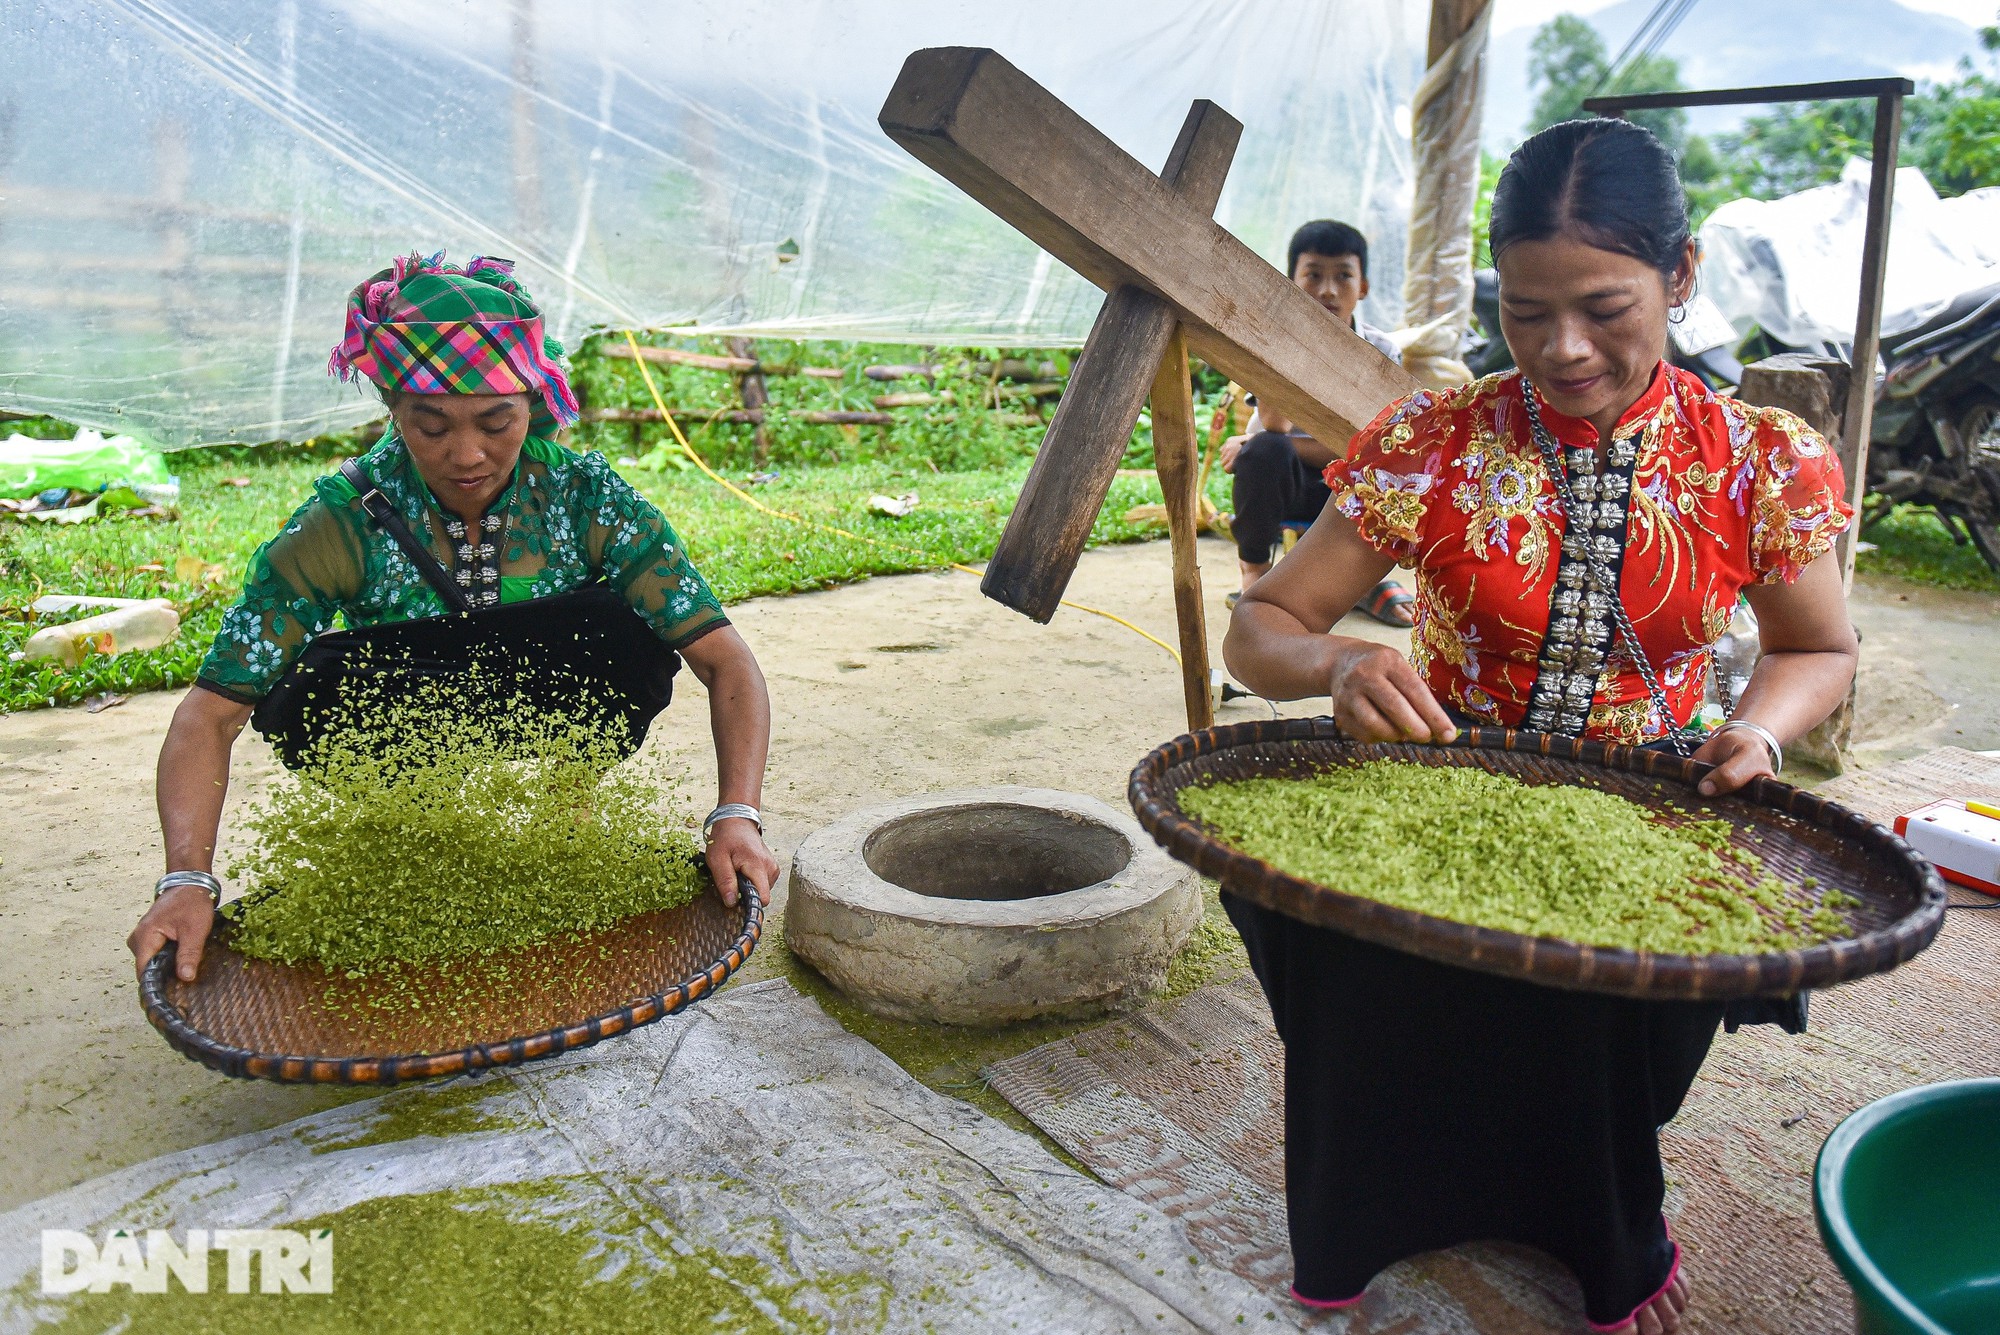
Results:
x,y
944,959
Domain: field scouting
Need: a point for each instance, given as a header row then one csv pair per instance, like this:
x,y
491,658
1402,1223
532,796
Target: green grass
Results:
x,y
1911,543
965,457
746,554
219,524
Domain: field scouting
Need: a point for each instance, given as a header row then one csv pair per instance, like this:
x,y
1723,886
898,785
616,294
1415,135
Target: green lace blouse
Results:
x,y
565,520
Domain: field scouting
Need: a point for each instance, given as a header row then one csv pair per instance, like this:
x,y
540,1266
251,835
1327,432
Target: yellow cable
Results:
x,y
1108,616
666,415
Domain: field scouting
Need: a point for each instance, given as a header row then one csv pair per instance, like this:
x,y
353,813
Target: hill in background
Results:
x,y
1729,44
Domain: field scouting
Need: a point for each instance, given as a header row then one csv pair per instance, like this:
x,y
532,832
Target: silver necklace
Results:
x,y
1552,460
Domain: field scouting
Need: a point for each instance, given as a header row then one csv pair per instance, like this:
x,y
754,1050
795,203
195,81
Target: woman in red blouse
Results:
x,y
1550,513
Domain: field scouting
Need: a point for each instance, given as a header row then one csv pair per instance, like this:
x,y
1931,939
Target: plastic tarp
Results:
x,y
1793,265
752,1128
189,190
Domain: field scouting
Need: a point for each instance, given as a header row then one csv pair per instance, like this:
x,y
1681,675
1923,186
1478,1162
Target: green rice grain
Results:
x,y
452,842
1490,851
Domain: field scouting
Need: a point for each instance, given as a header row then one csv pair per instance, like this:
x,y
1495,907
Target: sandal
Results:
x,y
1389,603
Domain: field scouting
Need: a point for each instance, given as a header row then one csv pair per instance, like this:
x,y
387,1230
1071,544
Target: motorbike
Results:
x,y
1936,435
1935,438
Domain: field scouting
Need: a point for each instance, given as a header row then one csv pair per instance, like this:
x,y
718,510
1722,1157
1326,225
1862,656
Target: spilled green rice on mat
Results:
x,y
554,1256
1490,851
457,1109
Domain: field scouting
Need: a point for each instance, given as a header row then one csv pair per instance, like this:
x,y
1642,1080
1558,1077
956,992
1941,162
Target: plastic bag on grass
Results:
x,y
87,462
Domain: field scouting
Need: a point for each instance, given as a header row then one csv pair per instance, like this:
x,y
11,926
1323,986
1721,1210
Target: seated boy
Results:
x,y
1277,469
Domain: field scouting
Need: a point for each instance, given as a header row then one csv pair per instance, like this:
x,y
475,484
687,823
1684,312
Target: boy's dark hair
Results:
x,y
1608,182
1329,238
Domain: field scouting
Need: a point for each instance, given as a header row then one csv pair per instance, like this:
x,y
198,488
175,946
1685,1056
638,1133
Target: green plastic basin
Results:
x,y
1907,1191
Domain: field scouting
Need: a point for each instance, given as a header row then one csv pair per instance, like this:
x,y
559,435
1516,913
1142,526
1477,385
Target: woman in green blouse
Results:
x,y
430,544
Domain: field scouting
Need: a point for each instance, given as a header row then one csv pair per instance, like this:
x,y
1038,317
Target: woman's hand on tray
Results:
x,y
737,850
183,916
1738,755
1378,696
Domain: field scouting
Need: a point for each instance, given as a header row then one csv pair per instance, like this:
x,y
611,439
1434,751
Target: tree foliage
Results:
x,y
1482,208
1568,62
1951,131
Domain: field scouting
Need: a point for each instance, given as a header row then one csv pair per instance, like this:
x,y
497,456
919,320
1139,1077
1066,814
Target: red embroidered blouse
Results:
x,y
1721,494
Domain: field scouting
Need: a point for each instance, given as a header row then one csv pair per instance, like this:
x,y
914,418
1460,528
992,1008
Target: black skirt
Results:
x,y
1428,1105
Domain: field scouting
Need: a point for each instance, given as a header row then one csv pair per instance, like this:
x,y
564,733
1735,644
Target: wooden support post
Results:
x,y
1816,390
750,386
1176,456
1449,21
1859,416
1072,472
1079,456
527,149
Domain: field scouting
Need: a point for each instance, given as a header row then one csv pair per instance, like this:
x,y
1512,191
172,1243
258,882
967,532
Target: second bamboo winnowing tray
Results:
x,y
1804,841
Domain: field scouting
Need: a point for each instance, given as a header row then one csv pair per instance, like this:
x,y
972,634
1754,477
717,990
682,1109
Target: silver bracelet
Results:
x,y
174,880
1764,735
730,811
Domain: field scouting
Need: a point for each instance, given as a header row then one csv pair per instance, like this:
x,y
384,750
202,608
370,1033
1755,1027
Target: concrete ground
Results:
x,y
889,687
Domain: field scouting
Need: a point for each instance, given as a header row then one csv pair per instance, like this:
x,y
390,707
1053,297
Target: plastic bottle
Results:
x,y
142,625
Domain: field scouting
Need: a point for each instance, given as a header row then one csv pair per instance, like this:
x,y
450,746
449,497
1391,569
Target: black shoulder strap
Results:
x,y
384,514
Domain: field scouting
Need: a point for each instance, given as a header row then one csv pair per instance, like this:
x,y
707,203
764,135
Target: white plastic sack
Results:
x,y
1793,265
192,189
1429,351
752,1127
85,462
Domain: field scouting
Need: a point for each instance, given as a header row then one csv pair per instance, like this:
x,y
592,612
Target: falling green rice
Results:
x,y
452,842
1487,850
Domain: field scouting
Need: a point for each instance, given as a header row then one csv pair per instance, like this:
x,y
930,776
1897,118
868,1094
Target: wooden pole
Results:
x,y
1450,20
1175,456
1859,417
1010,144
1816,391
1072,472
1444,146
750,386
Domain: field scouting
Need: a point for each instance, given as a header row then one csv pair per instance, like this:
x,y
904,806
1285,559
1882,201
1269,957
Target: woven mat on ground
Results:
x,y
1183,1107
749,1152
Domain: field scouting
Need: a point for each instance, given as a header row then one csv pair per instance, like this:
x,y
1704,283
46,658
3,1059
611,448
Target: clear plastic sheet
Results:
x,y
1793,265
752,1128
188,190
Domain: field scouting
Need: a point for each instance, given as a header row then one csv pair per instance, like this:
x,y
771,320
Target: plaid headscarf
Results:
x,y
428,327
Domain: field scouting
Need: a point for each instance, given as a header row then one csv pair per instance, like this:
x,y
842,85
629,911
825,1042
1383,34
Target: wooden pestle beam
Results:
x,y
1079,456
1010,144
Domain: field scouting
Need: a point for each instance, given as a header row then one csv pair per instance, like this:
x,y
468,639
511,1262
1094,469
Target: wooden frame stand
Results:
x,y
1175,281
